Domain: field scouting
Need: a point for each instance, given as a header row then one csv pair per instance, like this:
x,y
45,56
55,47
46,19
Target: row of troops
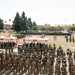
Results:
x,y
7,45
37,62
42,48
38,47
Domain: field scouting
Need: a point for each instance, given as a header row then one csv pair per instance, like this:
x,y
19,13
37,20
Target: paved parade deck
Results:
x,y
59,41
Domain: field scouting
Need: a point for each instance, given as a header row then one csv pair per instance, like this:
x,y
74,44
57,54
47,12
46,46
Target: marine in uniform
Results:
x,y
57,69
48,67
33,67
63,70
73,70
27,65
39,67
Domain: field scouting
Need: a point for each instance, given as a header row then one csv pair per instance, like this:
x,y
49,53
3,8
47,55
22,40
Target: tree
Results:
x,y
1,24
58,28
23,22
53,28
16,22
71,28
29,23
43,28
73,24
34,23
35,28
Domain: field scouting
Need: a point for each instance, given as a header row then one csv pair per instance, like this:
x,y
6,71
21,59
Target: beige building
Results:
x,y
7,27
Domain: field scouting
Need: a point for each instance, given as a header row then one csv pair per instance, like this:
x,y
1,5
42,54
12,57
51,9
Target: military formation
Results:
x,y
8,46
38,59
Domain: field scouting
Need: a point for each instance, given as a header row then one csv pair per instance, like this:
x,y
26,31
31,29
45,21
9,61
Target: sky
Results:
x,y
41,11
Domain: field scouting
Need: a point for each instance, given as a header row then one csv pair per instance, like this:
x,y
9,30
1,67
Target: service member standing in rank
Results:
x,y
39,67
0,64
72,71
15,63
20,65
48,67
74,56
27,65
33,67
0,45
57,69
63,70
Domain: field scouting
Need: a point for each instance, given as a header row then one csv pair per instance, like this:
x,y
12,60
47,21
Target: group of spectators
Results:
x,y
38,59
